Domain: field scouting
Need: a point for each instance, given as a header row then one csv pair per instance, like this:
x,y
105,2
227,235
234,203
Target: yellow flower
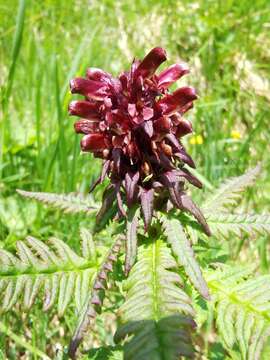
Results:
x,y
196,140
235,134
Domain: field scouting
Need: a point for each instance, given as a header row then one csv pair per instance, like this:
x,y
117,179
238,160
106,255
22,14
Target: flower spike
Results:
x,y
135,124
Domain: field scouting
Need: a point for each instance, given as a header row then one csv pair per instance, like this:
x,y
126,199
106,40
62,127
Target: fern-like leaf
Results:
x,y
93,303
229,193
157,314
105,353
184,253
242,310
227,224
69,203
57,269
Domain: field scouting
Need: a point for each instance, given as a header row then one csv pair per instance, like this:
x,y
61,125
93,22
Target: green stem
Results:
x,y
4,329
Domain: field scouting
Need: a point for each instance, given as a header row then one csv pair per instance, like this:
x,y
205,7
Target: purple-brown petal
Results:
x,y
174,102
85,126
147,127
84,109
162,125
91,89
183,128
187,107
93,142
147,113
167,77
98,75
151,62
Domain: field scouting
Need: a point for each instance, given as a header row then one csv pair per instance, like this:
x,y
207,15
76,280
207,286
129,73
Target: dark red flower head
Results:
x,y
135,124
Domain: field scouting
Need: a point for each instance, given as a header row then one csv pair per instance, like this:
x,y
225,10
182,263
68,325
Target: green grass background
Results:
x,y
43,44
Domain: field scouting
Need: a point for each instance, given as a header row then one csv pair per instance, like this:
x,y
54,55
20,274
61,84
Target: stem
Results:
x,y
4,329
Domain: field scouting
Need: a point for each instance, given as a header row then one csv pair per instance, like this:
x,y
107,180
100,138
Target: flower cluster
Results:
x,y
135,124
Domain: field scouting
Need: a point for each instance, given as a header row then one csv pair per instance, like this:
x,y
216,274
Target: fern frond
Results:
x,y
69,203
93,303
227,224
105,353
242,311
184,253
55,270
157,314
229,193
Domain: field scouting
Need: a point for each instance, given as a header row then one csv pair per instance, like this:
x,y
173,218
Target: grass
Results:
x,y
46,43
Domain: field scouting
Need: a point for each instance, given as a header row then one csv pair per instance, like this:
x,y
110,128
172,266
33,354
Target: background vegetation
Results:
x,y
46,43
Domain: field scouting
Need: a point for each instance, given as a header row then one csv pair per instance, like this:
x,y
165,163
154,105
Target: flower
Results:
x,y
134,123
235,135
196,140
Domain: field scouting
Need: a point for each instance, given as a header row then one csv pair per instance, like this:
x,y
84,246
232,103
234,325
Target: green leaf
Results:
x,y
64,275
226,224
157,313
69,203
105,353
229,193
242,310
93,302
182,249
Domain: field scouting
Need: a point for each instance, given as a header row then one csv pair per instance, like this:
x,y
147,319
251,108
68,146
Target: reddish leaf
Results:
x,y
131,239
131,181
147,200
187,204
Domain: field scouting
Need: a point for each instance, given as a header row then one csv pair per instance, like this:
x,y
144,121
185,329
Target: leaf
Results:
x,y
226,224
242,310
56,268
157,313
147,199
88,245
188,205
69,203
105,353
131,181
184,253
94,299
131,238
229,193
107,210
